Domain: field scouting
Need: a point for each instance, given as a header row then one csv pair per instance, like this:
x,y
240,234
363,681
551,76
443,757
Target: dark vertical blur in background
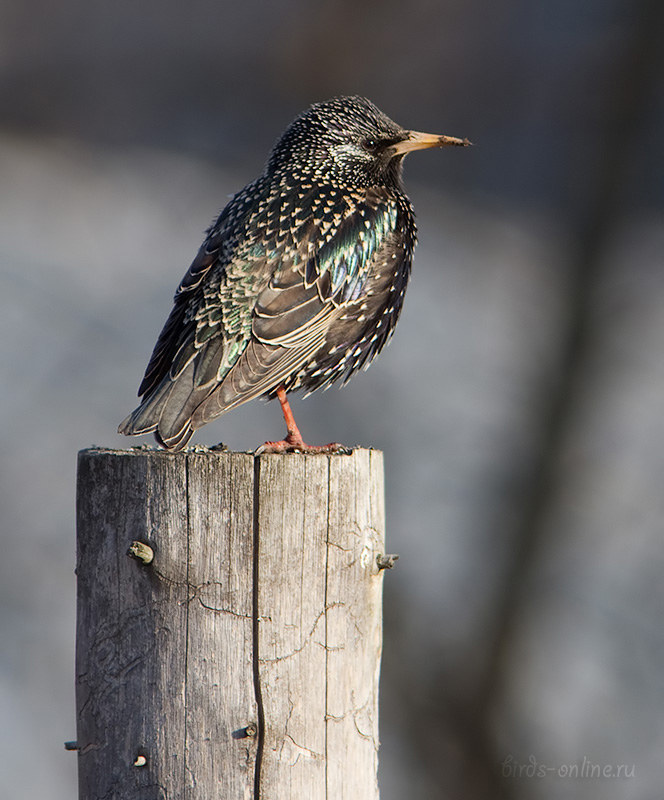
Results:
x,y
519,405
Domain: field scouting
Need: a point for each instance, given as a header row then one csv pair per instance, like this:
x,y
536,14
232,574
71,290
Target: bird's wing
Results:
x,y
334,257
293,313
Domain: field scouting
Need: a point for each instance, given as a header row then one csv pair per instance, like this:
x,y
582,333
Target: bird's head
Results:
x,y
350,142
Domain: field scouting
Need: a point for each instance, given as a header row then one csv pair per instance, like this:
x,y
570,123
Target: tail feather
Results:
x,y
169,409
167,412
145,418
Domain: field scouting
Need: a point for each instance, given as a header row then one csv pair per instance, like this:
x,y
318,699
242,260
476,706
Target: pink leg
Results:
x,y
294,443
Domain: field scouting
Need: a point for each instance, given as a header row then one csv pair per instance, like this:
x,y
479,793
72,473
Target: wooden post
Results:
x,y
233,650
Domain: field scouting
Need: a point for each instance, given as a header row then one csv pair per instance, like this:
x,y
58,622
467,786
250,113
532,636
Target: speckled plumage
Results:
x,y
299,282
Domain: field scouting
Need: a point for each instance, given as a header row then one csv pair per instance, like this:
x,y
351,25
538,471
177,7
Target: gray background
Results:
x,y
519,405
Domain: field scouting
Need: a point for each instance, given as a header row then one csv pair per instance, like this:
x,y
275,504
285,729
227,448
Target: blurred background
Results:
x,y
519,405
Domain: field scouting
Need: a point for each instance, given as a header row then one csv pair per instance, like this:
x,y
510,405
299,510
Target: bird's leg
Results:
x,y
294,443
294,436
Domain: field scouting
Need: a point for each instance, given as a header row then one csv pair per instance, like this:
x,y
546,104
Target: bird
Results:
x,y
299,282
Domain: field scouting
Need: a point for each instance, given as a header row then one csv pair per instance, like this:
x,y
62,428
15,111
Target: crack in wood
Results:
x,y
309,638
260,739
224,610
299,750
188,501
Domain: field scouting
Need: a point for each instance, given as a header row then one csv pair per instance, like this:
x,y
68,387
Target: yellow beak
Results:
x,y
421,141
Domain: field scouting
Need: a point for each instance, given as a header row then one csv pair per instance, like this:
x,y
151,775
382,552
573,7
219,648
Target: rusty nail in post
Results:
x,y
71,745
141,552
141,761
386,560
250,730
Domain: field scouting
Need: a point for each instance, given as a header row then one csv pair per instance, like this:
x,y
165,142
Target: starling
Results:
x,y
299,282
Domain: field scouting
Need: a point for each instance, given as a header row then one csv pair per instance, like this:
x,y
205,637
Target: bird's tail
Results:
x,y
166,413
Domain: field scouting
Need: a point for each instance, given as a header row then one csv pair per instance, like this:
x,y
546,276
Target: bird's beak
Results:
x,y
420,141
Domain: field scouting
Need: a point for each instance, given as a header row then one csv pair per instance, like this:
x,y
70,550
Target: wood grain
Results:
x,y
242,662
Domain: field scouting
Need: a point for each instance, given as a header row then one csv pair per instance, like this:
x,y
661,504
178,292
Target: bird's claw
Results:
x,y
286,446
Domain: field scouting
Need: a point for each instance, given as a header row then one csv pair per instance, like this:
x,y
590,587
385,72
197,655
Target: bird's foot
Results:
x,y
293,444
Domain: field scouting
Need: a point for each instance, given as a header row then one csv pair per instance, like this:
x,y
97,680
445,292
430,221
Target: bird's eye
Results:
x,y
370,144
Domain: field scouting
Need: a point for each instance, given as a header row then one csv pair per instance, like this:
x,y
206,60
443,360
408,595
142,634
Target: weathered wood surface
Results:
x,y
242,662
